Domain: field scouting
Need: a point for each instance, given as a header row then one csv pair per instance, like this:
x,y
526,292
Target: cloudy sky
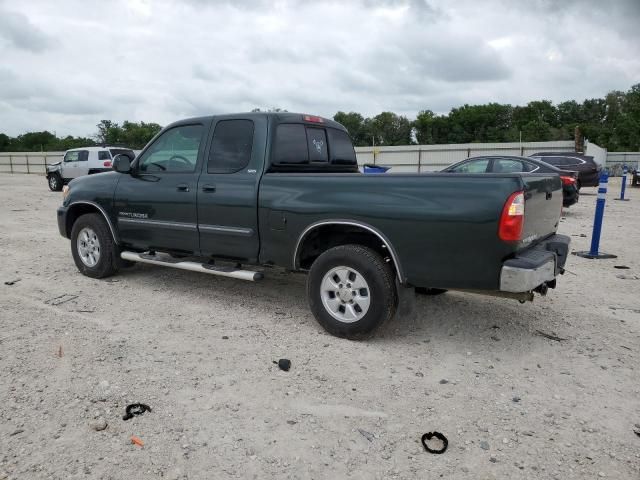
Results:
x,y
66,64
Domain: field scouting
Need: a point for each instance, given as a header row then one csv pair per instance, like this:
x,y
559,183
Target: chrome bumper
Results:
x,y
516,280
535,266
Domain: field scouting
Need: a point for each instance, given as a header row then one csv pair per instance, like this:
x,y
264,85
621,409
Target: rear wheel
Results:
x,y
55,182
92,246
351,291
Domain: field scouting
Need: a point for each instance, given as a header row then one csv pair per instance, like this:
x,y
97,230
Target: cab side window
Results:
x,y
342,152
291,145
83,155
231,146
175,151
71,156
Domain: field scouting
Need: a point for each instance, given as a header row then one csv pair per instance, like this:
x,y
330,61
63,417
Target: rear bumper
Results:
x,y
536,266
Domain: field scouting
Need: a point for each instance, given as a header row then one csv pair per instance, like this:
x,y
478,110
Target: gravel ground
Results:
x,y
199,350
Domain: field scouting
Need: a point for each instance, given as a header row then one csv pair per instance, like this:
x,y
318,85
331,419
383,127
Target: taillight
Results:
x,y
107,163
313,118
512,218
567,180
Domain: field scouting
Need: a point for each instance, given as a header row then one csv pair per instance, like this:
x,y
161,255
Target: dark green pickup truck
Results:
x,y
212,194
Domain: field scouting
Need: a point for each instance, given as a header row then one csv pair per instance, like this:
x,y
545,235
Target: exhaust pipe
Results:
x,y
166,261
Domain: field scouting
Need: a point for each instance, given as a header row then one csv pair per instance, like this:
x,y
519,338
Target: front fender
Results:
x,y
54,168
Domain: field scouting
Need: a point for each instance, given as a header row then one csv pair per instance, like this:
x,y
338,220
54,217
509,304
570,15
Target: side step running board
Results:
x,y
167,261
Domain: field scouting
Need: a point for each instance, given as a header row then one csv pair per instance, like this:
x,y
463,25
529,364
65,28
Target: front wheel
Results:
x,y
55,182
351,291
92,246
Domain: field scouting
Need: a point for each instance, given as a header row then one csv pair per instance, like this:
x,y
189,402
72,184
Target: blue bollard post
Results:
x,y
624,184
594,251
597,222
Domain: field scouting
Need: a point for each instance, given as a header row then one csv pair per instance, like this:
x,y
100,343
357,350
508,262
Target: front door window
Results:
x,y
175,151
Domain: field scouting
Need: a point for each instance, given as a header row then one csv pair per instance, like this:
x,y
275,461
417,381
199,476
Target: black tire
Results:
x,y
55,182
379,277
430,291
108,259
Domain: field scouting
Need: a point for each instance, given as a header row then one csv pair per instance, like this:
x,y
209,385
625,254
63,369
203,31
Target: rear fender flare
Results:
x,y
373,230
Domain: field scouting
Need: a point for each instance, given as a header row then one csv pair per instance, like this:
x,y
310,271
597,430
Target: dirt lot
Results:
x,y
199,350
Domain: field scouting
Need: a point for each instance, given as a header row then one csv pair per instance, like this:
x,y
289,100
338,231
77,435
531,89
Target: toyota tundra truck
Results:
x,y
230,195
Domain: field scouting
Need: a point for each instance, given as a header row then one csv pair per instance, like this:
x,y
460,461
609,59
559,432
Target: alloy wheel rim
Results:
x,y
345,294
88,247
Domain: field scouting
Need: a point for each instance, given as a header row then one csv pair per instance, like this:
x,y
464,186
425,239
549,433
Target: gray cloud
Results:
x,y
18,31
165,59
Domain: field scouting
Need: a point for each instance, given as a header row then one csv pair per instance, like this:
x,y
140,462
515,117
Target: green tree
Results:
x,y
108,132
389,129
424,127
137,135
355,125
5,143
130,134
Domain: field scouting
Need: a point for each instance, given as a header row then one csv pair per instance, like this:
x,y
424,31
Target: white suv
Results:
x,y
82,161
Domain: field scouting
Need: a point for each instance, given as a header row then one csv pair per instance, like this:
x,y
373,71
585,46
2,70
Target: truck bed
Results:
x,y
442,227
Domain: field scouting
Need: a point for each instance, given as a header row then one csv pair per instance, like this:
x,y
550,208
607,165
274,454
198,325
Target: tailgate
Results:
x,y
543,204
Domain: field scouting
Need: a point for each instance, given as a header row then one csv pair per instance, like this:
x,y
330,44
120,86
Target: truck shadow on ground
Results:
x,y
279,303
471,319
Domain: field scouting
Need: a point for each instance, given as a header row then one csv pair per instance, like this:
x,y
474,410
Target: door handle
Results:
x,y
549,195
208,188
183,187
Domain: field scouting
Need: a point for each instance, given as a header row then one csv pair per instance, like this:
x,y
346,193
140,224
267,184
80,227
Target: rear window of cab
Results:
x,y
302,146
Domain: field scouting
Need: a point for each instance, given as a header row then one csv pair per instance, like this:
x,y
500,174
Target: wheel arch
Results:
x,y
79,208
342,232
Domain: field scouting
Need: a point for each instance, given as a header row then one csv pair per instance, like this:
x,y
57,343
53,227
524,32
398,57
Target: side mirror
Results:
x,y
121,163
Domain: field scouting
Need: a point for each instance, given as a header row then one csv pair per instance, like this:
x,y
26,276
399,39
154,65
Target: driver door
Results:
x,y
70,164
156,204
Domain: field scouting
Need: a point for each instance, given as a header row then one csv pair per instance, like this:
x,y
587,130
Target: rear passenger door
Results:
x,y
227,193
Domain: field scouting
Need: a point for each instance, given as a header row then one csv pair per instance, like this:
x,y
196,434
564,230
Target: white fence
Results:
x,y
630,159
426,158
407,158
28,162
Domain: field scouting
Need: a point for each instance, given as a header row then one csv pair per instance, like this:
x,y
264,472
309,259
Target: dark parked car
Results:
x,y
512,164
588,170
